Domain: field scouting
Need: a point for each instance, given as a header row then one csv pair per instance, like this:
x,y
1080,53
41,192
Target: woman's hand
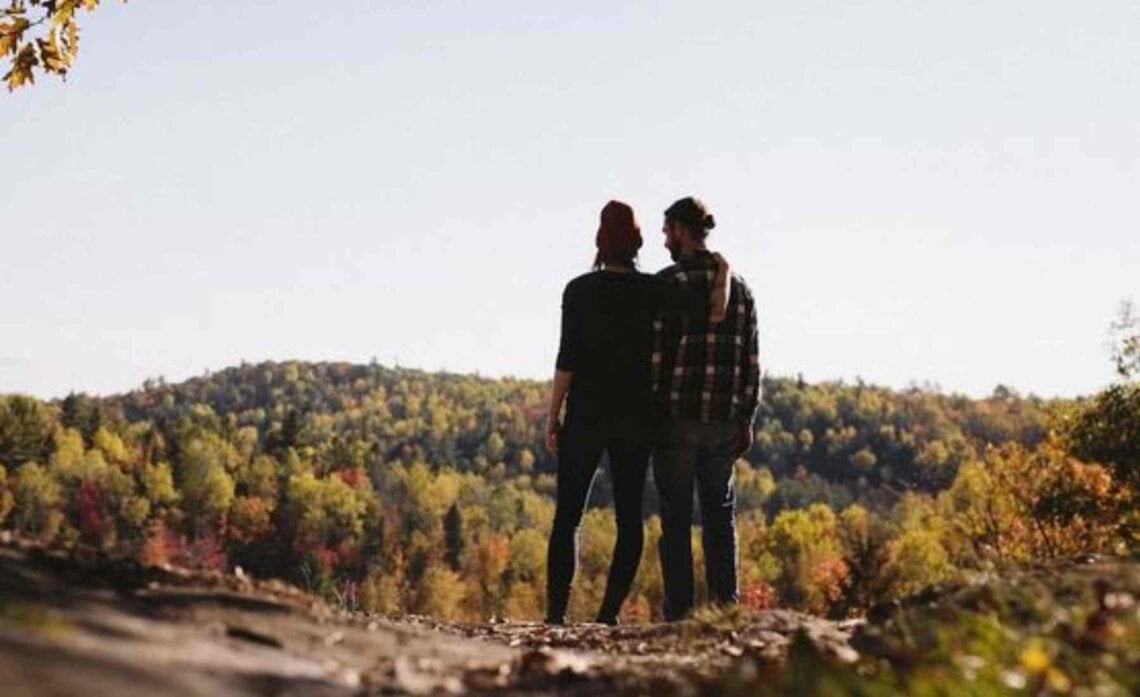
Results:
x,y
718,301
558,392
552,428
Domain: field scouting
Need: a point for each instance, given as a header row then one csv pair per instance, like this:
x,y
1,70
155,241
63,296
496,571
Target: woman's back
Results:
x,y
607,336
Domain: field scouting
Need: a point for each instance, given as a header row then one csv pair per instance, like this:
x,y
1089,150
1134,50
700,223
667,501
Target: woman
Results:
x,y
603,374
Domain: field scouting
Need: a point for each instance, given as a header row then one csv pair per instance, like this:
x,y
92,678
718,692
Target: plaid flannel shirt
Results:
x,y
705,371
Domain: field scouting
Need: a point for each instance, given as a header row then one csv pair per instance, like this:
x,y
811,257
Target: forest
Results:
x,y
398,491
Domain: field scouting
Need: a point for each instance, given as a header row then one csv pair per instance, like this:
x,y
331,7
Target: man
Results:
x,y
707,378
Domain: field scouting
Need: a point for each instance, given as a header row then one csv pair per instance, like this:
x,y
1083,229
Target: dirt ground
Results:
x,y
75,625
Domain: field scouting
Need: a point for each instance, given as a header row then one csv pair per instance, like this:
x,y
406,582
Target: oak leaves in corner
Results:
x,y
39,35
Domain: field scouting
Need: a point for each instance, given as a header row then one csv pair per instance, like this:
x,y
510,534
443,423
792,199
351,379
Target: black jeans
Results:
x,y
580,448
704,452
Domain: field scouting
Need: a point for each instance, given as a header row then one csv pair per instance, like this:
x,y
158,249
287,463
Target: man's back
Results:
x,y
707,378
705,371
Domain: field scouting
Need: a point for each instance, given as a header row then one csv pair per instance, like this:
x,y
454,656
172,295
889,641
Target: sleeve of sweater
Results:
x,y
568,345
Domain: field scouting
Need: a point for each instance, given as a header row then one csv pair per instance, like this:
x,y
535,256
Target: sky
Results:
x,y
917,192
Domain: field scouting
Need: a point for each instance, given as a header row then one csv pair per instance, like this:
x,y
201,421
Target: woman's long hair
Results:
x,y
602,261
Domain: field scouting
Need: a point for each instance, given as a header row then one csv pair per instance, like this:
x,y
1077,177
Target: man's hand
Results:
x,y
552,428
744,436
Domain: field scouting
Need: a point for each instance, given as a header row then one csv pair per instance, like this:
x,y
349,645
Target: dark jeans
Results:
x,y
580,449
691,451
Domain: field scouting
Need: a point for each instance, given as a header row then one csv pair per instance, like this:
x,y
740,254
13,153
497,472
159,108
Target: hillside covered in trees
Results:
x,y
400,491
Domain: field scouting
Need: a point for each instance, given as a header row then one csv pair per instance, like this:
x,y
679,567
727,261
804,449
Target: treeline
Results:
x,y
854,437
402,491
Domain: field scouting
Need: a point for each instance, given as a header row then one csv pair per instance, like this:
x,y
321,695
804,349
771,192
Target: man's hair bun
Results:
x,y
692,212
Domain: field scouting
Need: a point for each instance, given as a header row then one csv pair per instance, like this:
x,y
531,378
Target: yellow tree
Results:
x,y
6,499
806,543
916,557
38,498
484,568
526,571
1019,504
863,537
204,478
441,593
648,594
40,35
758,567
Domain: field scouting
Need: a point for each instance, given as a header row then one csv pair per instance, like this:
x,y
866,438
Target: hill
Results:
x,y
851,437
401,491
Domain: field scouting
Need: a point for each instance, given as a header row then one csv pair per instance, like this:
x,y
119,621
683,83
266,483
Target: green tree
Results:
x,y
863,537
257,477
24,430
453,537
1107,429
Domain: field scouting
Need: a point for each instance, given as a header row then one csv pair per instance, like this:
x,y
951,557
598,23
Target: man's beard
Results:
x,y
674,249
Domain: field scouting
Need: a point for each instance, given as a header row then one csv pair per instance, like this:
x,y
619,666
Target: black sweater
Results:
x,y
607,339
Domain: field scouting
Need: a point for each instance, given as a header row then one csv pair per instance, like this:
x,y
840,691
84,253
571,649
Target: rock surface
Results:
x,y
75,625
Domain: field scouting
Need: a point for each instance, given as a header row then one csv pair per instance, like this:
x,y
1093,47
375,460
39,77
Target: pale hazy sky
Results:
x,y
917,191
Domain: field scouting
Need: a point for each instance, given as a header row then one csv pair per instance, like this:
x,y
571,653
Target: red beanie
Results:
x,y
618,235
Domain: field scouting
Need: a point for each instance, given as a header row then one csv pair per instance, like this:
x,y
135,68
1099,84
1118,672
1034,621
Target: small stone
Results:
x,y
844,653
254,637
350,678
1119,601
1013,679
544,662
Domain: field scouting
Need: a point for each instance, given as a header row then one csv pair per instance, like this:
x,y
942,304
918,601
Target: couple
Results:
x,y
664,364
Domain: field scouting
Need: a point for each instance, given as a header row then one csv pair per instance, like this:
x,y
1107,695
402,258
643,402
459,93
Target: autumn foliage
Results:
x,y
40,35
397,491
